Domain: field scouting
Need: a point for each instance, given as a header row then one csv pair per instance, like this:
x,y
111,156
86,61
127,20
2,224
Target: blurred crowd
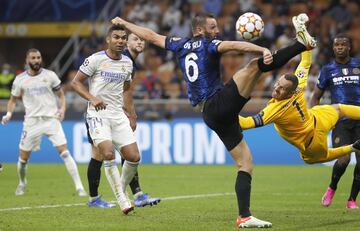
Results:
x,y
158,76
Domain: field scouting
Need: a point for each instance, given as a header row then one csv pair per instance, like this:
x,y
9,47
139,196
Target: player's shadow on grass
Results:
x,y
328,224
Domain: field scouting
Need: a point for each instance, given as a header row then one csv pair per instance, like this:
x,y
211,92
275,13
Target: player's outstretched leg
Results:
x,y
302,35
282,56
1,167
252,222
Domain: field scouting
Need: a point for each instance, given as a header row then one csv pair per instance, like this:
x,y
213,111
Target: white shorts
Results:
x,y
116,130
35,127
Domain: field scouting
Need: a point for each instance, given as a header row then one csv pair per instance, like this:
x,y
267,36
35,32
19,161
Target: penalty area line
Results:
x,y
84,204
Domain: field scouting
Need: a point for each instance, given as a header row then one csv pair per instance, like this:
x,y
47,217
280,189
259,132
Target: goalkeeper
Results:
x,y
306,129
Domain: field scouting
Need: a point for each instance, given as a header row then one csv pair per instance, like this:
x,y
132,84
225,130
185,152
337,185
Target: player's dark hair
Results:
x,y
294,81
200,20
342,35
31,50
115,27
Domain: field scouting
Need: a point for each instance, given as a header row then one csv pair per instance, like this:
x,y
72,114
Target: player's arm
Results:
x,y
129,104
320,87
315,99
246,122
81,89
62,102
268,115
245,47
143,32
10,109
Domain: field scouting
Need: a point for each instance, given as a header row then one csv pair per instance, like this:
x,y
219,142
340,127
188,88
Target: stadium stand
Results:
x,y
158,82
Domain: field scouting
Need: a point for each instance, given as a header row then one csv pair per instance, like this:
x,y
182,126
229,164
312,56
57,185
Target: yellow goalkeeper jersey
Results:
x,y
293,121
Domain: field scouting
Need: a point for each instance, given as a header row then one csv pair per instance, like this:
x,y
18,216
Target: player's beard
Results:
x,y
139,49
35,67
209,35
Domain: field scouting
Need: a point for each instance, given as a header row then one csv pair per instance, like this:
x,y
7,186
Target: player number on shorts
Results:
x,y
94,123
297,105
191,64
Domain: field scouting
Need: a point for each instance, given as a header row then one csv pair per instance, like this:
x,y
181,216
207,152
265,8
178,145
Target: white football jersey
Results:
x,y
106,81
37,93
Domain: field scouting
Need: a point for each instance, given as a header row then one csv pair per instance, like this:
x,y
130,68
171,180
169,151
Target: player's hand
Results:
x,y
268,58
6,118
98,104
61,114
118,21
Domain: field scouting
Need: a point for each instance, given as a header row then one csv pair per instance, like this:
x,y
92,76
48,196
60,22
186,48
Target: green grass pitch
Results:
x,y
288,196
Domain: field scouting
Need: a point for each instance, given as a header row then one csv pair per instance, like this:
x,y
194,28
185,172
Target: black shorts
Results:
x,y
221,114
87,131
345,132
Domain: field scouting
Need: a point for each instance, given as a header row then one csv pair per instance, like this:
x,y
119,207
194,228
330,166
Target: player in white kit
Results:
x,y
111,111
39,88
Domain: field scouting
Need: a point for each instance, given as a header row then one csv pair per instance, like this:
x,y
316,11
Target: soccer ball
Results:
x,y
249,26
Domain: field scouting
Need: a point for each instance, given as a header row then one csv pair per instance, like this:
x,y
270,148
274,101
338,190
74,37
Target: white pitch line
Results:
x,y
83,204
197,196
164,199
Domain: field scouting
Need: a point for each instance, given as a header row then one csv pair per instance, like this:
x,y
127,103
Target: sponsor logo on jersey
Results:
x,y
36,90
113,76
346,79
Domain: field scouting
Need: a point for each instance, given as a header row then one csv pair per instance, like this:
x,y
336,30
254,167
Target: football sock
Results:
x,y
22,169
72,169
113,176
243,189
128,172
356,183
281,57
338,171
350,111
94,174
134,184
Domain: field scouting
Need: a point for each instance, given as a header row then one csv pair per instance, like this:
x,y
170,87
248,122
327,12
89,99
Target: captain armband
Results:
x,y
258,120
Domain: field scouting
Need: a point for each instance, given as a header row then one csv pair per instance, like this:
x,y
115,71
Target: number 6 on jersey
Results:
x,y
190,63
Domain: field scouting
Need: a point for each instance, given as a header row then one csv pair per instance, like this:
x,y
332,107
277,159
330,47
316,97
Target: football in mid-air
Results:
x,y
249,26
